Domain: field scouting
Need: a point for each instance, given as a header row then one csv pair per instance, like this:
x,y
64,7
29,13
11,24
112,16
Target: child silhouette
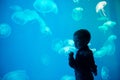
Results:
x,y
83,63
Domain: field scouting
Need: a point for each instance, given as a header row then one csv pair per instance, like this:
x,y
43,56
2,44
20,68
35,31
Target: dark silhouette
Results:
x,y
83,63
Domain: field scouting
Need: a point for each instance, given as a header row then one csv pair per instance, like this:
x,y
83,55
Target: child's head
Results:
x,y
81,38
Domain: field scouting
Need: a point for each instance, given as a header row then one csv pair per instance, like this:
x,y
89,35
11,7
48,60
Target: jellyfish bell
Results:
x,y
109,23
112,37
100,6
45,6
5,30
100,9
24,16
16,75
105,73
77,13
76,1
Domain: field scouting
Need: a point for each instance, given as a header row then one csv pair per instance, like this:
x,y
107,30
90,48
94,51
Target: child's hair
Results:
x,y
83,34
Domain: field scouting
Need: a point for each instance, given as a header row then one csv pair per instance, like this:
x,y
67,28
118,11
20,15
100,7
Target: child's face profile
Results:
x,y
79,41
81,38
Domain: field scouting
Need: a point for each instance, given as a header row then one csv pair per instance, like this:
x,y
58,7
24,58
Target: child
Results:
x,y
83,63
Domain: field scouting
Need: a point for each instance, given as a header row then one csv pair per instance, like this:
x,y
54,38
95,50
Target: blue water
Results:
x,y
36,37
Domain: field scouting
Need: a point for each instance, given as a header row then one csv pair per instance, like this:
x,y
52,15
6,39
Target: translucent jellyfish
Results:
x,y
107,25
45,6
64,47
5,30
67,77
44,29
105,73
76,1
16,75
108,48
24,16
77,13
100,9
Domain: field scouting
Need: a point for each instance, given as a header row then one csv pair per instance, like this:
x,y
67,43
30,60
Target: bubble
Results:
x,y
45,6
105,73
77,13
16,75
5,30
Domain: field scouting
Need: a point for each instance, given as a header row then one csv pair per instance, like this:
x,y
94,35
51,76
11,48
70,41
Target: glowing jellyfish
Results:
x,y
5,30
105,73
24,16
64,47
108,48
100,9
107,25
76,1
16,75
77,13
67,77
45,6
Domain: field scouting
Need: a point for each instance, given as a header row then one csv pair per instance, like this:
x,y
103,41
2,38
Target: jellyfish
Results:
x,y
44,29
16,75
108,48
22,17
76,1
5,30
64,47
67,77
107,25
45,6
105,73
77,13
100,9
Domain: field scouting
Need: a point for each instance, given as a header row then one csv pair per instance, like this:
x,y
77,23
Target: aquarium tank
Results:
x,y
36,37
